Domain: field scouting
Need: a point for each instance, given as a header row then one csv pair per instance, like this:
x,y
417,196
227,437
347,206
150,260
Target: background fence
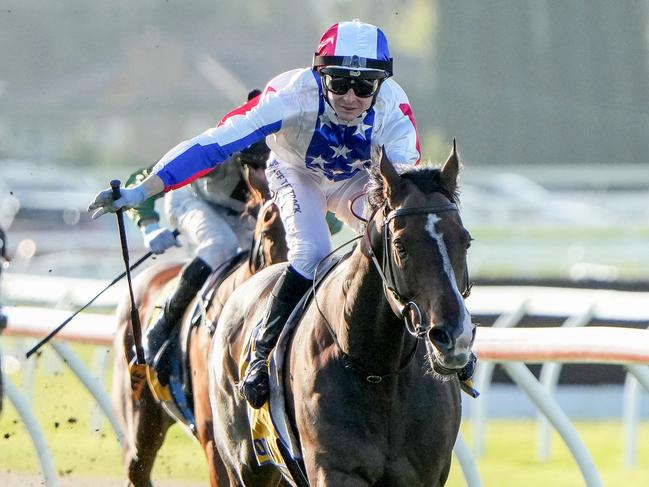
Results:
x,y
500,343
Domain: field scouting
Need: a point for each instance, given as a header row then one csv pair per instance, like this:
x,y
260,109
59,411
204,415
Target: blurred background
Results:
x,y
548,101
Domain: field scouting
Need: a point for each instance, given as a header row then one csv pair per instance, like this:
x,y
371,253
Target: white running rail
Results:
x,y
499,344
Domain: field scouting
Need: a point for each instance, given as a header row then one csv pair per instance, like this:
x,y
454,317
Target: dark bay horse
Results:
x,y
143,418
370,378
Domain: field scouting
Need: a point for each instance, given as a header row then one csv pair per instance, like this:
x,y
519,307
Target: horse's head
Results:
x,y
417,230
269,245
269,239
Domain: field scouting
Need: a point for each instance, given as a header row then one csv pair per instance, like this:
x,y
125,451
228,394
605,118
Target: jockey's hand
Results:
x,y
158,239
130,197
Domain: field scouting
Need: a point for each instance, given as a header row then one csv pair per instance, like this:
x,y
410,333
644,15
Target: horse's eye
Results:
x,y
399,247
468,240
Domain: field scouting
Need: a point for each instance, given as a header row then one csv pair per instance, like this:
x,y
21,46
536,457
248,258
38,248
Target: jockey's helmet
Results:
x,y
353,50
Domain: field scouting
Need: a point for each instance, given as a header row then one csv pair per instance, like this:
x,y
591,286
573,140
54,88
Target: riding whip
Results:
x,y
51,335
136,327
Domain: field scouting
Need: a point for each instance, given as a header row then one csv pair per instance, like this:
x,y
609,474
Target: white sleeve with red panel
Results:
x,y
399,134
240,128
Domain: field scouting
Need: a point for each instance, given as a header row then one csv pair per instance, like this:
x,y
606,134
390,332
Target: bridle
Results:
x,y
403,307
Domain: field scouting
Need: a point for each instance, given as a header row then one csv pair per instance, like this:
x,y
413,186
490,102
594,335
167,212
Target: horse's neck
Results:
x,y
370,331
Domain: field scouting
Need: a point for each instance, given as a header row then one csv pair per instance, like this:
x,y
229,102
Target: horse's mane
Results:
x,y
427,179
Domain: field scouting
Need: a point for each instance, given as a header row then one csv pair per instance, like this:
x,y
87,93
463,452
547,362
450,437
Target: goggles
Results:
x,y
363,88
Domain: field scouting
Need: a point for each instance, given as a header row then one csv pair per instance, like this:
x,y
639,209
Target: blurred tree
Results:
x,y
517,82
536,82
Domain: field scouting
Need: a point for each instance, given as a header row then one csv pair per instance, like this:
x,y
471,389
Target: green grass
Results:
x,y
64,411
510,458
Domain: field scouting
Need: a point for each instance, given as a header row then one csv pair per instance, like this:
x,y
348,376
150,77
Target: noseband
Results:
x,y
401,306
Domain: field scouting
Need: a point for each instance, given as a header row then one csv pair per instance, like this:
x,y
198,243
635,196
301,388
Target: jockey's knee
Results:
x,y
216,254
305,257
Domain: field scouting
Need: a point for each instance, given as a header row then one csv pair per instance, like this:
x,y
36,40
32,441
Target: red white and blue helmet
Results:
x,y
354,49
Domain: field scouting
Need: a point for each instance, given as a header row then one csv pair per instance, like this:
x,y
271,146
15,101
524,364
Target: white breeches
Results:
x,y
215,232
304,197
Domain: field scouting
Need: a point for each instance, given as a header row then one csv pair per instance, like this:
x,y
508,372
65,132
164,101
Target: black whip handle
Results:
x,y
136,327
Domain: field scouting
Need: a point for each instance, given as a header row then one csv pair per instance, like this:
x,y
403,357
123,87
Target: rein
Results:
x,y
402,307
348,360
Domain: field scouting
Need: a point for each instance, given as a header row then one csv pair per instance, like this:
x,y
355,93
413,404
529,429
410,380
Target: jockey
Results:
x,y
209,213
324,125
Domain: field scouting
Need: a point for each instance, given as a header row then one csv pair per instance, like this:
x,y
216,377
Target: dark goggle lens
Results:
x,y
363,88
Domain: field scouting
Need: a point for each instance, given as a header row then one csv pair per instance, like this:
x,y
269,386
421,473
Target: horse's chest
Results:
x,y
401,471
386,442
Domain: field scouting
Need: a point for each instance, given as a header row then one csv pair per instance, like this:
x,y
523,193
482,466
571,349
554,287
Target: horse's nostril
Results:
x,y
441,339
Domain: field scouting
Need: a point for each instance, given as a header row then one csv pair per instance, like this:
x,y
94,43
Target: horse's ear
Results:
x,y
257,184
391,179
451,169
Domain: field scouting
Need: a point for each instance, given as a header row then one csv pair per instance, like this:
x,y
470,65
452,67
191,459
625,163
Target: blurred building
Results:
x,y
518,83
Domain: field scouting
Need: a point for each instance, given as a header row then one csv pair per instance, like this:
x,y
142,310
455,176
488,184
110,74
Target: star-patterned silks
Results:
x,y
324,120
358,164
340,151
318,162
361,128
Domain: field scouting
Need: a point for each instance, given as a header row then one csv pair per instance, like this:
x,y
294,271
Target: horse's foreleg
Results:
x,y
199,345
216,469
143,422
338,479
148,429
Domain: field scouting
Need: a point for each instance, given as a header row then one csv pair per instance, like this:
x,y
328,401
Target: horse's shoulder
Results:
x,y
147,282
232,281
260,281
158,274
248,294
336,274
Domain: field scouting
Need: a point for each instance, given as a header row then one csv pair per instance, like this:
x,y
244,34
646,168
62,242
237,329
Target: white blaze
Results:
x,y
448,270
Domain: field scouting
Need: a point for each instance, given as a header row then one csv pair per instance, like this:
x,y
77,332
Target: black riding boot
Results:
x,y
287,292
192,279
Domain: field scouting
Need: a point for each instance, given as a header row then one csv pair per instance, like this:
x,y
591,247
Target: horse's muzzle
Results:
x,y
449,354
448,365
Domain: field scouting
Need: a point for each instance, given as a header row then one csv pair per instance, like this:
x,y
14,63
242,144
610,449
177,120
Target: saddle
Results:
x,y
174,353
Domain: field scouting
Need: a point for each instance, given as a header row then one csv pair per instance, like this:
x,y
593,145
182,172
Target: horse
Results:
x,y
143,419
370,373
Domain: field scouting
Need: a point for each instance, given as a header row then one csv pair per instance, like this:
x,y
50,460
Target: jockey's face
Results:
x,y
349,106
